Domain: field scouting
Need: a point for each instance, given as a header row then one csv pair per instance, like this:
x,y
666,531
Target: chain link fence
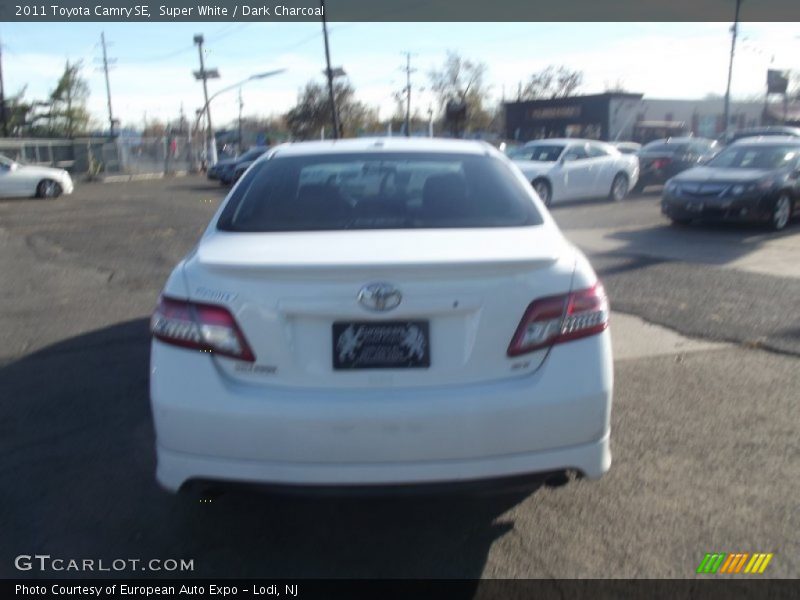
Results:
x,y
97,157
167,155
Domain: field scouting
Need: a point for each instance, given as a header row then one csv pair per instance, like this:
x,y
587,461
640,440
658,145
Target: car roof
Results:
x,y
563,141
680,140
769,129
384,144
767,140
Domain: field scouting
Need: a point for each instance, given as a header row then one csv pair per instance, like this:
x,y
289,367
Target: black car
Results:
x,y
776,130
662,159
214,170
227,174
756,179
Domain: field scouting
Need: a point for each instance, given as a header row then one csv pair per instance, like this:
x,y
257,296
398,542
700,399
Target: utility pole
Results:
x,y
409,70
241,105
329,73
108,85
205,75
734,31
3,115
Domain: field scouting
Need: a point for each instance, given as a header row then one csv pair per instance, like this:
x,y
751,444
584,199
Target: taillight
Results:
x,y
660,163
557,319
204,327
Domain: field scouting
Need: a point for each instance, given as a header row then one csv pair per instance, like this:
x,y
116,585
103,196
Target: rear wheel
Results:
x,y
781,212
48,188
543,190
619,188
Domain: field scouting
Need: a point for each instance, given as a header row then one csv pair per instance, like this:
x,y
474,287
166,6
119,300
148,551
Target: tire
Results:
x,y
781,212
48,188
543,190
619,188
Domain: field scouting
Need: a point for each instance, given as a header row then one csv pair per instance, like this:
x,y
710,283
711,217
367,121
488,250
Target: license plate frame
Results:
x,y
695,206
395,345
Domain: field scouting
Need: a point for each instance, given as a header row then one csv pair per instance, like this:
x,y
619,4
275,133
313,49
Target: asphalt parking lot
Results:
x,y
704,433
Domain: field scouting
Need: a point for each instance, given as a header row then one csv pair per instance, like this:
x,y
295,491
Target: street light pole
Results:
x,y
231,87
329,72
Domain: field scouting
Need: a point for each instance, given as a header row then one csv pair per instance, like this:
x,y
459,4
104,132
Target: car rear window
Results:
x,y
540,152
665,147
378,191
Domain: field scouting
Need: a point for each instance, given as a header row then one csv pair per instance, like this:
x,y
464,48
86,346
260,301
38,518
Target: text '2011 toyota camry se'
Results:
x,y
381,312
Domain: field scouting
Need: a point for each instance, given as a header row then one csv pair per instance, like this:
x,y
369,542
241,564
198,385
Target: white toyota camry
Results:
x,y
381,312
572,169
19,180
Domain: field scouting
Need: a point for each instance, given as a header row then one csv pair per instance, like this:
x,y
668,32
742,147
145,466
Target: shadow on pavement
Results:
x,y
700,242
76,448
194,186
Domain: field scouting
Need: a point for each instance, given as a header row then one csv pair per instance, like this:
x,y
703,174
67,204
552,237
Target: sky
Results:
x,y
153,62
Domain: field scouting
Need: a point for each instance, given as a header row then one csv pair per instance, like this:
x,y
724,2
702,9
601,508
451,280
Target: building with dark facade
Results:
x,y
624,116
596,116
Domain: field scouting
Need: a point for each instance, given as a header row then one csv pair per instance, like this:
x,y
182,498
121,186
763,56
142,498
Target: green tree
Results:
x,y
19,112
68,115
313,112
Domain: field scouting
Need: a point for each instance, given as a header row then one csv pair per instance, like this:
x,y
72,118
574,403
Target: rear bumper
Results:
x,y
211,429
175,469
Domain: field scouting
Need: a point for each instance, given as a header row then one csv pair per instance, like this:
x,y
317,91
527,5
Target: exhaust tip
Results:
x,y
561,478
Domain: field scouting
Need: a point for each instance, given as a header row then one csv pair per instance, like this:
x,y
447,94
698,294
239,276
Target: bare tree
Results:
x,y
617,87
552,82
462,81
312,112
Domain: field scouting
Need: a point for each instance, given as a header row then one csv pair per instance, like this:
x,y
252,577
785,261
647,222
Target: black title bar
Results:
x,y
711,588
394,10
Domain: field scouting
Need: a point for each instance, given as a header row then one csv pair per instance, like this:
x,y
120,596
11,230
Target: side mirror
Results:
x,y
14,166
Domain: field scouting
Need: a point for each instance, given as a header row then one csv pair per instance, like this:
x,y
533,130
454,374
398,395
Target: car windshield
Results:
x,y
539,152
378,191
5,161
755,157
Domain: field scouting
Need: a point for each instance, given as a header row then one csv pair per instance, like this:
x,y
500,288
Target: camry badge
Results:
x,y
379,296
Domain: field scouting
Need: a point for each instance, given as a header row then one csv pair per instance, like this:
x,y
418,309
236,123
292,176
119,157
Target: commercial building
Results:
x,y
598,116
625,116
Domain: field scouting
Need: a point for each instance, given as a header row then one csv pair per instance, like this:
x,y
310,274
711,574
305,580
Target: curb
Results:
x,y
139,177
